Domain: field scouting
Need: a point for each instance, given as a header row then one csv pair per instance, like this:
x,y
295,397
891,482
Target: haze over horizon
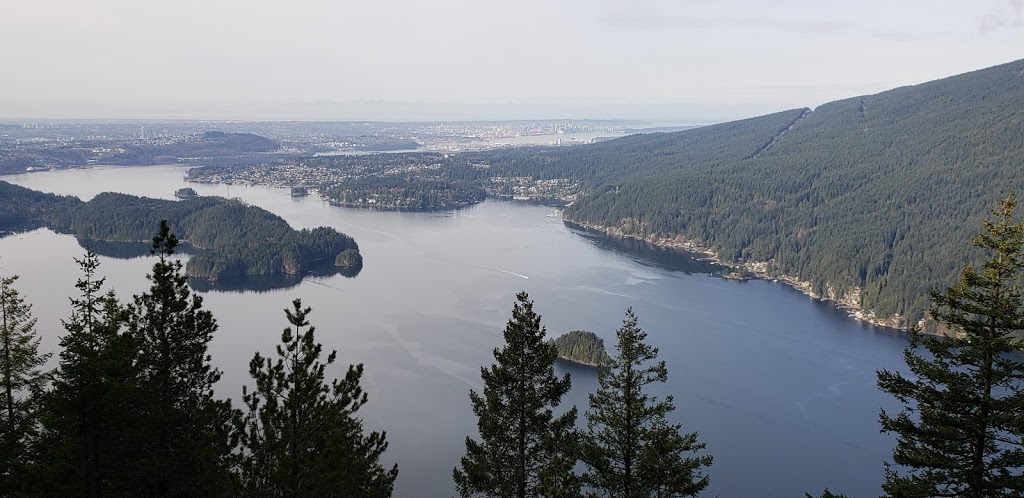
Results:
x,y
684,61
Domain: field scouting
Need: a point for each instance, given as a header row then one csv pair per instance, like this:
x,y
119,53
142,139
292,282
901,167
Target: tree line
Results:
x,y
130,408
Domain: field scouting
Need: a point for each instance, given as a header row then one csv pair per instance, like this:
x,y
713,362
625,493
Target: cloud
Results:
x,y
1010,15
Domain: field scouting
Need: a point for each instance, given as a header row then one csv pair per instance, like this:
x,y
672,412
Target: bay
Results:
x,y
780,387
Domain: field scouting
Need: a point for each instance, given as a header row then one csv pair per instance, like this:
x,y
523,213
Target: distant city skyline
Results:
x,y
686,61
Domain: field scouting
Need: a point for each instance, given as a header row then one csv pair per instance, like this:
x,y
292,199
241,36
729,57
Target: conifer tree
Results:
x,y
960,431
630,449
91,413
187,447
524,450
301,436
22,383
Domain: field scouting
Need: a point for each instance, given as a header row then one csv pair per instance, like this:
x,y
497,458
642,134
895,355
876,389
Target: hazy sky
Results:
x,y
481,58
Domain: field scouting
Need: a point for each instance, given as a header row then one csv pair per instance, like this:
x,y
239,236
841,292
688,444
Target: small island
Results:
x,y
186,193
582,347
299,192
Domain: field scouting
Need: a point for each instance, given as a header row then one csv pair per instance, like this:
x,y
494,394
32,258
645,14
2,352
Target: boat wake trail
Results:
x,y
365,229
500,270
329,286
474,265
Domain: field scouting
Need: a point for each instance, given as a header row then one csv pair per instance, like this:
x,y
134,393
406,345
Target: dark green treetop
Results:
x,y
630,449
187,448
826,494
90,413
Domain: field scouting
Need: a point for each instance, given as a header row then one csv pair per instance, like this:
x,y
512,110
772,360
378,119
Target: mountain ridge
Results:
x,y
871,199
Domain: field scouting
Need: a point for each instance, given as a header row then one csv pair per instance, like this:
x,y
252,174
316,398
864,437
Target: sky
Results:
x,y
671,60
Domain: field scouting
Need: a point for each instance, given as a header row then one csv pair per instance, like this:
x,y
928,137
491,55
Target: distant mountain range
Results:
x,y
870,201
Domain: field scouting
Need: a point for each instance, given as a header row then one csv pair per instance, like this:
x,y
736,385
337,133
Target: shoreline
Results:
x,y
581,363
847,301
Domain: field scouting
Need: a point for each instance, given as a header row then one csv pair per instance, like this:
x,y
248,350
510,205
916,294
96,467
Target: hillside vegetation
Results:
x,y
868,200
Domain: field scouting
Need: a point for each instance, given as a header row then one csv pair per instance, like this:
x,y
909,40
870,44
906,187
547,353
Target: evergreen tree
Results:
x,y
187,444
960,431
630,448
301,436
524,449
90,414
22,383
557,477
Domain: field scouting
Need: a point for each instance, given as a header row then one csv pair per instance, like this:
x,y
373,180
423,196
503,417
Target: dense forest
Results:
x,y
583,347
227,238
868,200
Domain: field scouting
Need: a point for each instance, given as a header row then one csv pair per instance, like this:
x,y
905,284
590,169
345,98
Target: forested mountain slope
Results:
x,y
870,199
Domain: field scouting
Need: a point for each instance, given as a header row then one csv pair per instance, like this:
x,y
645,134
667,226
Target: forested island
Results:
x,y
226,238
583,347
185,193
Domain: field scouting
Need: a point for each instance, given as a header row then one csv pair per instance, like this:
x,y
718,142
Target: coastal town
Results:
x,y
422,181
37,146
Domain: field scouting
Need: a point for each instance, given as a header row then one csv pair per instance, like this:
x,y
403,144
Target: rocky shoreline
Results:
x,y
581,363
848,301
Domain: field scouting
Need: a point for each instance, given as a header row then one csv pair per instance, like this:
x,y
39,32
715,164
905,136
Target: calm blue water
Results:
x,y
780,387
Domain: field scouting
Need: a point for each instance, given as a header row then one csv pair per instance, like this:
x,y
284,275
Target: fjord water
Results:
x,y
779,386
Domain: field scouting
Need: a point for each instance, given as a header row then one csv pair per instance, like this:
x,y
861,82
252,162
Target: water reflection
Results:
x,y
269,283
247,283
126,250
12,228
648,254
